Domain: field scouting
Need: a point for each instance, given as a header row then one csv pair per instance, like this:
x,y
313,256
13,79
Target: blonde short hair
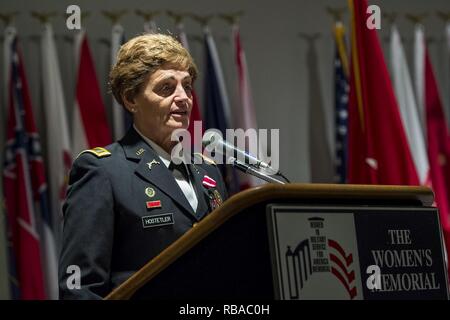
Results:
x,y
140,57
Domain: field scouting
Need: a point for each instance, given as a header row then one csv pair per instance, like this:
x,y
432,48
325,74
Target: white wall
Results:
x,y
275,53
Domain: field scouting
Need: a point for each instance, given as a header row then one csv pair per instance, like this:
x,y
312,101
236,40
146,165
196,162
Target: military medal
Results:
x,y
215,200
209,182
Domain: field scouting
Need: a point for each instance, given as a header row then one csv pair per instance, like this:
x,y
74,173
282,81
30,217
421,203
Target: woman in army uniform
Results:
x,y
128,201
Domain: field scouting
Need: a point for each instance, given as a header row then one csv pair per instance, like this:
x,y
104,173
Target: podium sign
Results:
x,y
356,253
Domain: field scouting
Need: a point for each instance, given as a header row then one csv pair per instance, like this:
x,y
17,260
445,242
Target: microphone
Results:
x,y
215,139
250,170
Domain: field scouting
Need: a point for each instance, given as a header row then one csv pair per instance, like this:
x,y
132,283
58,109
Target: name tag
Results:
x,y
157,220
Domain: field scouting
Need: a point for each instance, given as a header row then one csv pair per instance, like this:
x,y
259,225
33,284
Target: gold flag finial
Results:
x,y
84,14
336,13
309,37
176,16
445,16
416,18
43,17
7,18
147,15
232,18
202,20
391,17
114,16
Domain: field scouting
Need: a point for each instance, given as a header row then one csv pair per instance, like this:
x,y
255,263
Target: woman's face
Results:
x,y
164,103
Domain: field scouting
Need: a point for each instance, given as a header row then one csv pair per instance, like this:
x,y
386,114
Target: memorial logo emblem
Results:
x,y
319,254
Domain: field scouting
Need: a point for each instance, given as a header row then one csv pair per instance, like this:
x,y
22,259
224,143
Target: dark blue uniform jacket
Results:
x,y
110,229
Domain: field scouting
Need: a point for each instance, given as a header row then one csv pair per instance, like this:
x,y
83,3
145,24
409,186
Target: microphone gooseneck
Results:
x,y
250,164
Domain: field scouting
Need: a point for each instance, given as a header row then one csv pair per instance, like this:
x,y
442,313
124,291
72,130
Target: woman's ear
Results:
x,y
129,102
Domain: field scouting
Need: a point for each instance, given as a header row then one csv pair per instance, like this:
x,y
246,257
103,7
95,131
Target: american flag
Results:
x,y
341,106
25,187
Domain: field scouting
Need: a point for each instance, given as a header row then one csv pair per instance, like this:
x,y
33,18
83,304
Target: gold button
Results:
x,y
194,224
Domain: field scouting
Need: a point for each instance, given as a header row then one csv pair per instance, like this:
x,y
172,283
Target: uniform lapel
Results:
x,y
202,193
151,168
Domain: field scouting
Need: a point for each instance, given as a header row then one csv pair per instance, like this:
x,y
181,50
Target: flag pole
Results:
x,y
43,17
232,18
149,19
336,13
202,20
5,272
445,16
338,31
119,116
114,16
8,18
416,18
309,38
177,17
8,21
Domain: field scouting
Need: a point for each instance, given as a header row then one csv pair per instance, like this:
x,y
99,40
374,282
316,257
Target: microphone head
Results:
x,y
211,136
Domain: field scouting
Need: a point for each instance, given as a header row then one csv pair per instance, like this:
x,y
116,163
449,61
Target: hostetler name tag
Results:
x,y
157,220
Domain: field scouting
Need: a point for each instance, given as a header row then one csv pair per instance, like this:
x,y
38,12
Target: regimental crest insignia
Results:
x,y
151,163
150,192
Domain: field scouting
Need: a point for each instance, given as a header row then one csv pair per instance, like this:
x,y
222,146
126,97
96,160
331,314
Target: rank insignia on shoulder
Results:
x,y
204,158
99,152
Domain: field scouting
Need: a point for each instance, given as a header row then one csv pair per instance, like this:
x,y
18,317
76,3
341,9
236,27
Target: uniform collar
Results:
x,y
137,150
163,155
150,168
133,146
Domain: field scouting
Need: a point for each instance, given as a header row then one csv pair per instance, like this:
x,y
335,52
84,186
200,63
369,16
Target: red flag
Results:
x,y
246,118
195,114
438,147
90,127
378,149
24,182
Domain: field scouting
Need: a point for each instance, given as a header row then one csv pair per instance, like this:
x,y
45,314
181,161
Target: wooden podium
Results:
x,y
239,251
